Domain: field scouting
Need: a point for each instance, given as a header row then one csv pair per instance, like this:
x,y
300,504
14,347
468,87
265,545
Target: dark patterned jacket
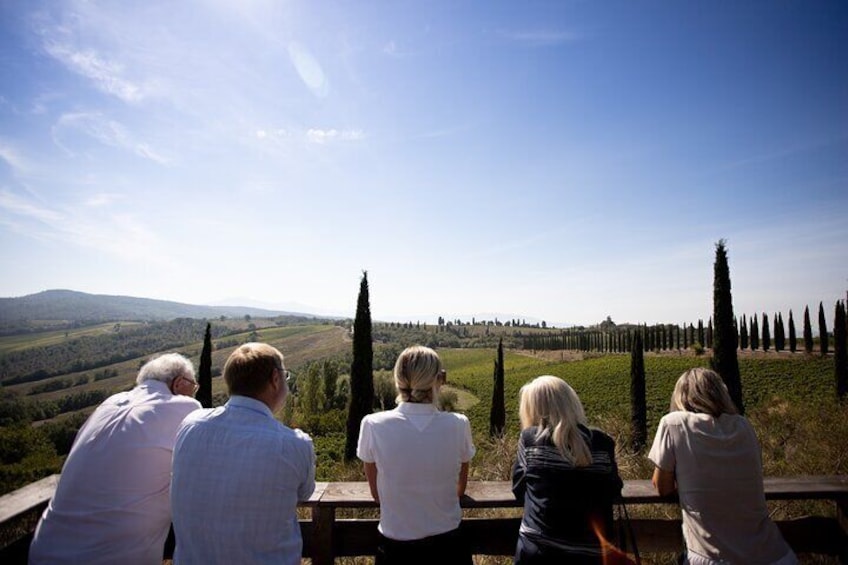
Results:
x,y
561,501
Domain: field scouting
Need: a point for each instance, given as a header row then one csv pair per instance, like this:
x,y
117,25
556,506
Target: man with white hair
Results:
x,y
112,502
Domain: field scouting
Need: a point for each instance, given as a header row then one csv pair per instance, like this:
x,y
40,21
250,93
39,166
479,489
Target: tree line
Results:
x,y
752,334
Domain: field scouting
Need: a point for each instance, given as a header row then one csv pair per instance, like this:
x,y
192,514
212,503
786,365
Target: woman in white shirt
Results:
x,y
710,455
416,462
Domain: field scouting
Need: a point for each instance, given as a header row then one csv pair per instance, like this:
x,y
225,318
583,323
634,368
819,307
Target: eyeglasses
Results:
x,y
194,384
287,375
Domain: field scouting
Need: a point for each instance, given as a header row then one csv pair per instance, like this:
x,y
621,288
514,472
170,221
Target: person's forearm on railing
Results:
x,y
462,483
371,477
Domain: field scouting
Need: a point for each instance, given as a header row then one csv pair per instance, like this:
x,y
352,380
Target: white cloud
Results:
x,y
13,158
119,235
107,75
18,206
325,136
104,130
102,199
144,150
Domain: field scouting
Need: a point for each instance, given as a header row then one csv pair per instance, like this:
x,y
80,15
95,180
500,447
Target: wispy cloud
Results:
x,y
13,158
21,207
107,75
541,37
103,199
785,152
144,150
103,130
120,235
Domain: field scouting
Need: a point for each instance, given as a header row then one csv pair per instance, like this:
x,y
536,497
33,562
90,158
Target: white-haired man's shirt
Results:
x,y
111,504
238,476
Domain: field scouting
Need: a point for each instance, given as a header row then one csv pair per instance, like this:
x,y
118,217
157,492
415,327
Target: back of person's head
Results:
x,y
702,391
417,371
250,369
165,368
551,405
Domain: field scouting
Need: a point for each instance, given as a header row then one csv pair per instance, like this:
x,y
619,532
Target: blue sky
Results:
x,y
562,161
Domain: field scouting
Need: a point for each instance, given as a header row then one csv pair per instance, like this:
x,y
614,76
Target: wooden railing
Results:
x,y
328,535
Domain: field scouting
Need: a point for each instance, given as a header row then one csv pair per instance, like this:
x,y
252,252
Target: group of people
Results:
x,y
229,478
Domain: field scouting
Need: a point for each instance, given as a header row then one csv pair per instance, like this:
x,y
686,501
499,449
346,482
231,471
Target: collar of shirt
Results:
x,y
248,403
414,408
153,385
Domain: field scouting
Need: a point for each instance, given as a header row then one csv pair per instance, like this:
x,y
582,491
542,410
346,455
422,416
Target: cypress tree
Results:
x,y
638,403
743,333
361,370
823,341
701,339
766,333
204,372
685,336
710,332
755,333
840,355
724,360
808,331
793,340
779,336
497,415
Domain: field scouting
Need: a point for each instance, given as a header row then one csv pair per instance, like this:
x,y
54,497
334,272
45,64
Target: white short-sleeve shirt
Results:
x,y
717,465
418,451
111,504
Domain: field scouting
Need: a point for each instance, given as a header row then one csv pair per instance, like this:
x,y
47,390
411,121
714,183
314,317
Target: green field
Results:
x,y
603,383
26,341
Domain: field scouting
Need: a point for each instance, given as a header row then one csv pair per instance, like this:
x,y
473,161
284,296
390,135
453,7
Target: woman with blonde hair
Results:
x,y
416,462
709,454
566,476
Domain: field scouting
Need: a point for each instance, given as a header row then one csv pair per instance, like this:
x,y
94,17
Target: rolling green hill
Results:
x,y
73,306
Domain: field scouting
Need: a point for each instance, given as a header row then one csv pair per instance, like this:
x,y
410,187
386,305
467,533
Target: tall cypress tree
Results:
x,y
710,332
743,333
779,336
204,373
840,355
766,333
361,370
808,331
701,339
497,414
755,333
823,341
724,360
793,339
638,403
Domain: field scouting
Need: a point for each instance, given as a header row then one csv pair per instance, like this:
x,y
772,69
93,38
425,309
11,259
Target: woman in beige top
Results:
x,y
711,456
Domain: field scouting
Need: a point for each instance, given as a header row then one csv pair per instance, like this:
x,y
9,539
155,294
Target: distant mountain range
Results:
x,y
76,306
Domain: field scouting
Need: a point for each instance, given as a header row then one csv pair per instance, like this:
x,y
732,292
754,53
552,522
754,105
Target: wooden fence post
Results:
x,y
842,519
323,520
